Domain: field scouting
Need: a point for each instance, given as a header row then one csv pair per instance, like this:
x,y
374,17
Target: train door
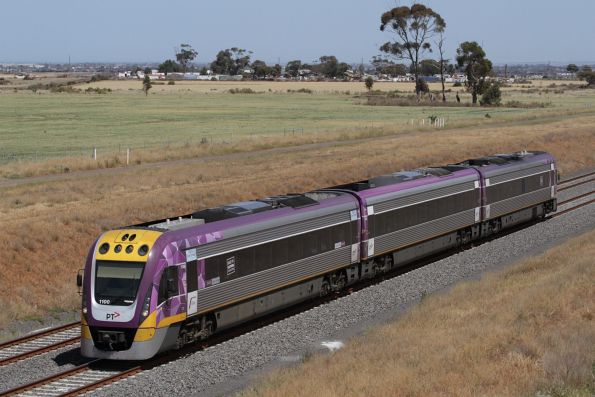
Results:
x,y
191,286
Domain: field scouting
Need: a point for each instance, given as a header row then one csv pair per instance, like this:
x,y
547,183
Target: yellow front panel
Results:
x,y
172,319
85,332
144,334
114,238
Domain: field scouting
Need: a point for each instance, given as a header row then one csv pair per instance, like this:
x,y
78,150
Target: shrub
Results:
x,y
422,86
369,82
457,84
491,96
171,82
242,91
301,90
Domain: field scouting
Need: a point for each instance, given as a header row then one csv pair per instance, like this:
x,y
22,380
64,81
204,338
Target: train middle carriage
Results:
x,y
411,214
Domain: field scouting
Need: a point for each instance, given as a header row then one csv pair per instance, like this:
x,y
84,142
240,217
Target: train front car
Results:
x,y
167,283
119,320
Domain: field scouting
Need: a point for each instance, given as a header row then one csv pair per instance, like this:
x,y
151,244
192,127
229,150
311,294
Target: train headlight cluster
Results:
x,y
147,302
104,248
142,251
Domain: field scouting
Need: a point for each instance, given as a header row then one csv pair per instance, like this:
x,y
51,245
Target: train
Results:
x,y
159,285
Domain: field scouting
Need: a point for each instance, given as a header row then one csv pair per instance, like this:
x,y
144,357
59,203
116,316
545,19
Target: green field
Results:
x,y
65,124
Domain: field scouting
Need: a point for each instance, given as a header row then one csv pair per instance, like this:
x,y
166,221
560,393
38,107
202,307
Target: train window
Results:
x,y
339,235
169,273
262,257
279,250
355,232
245,262
295,250
324,240
191,276
371,226
310,244
212,267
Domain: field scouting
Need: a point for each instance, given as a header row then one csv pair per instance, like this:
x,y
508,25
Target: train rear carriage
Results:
x,y
517,187
412,214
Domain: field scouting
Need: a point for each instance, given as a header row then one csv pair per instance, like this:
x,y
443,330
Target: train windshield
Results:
x,y
116,283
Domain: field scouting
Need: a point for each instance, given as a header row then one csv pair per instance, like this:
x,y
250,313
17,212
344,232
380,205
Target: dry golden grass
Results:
x,y
48,227
283,86
524,330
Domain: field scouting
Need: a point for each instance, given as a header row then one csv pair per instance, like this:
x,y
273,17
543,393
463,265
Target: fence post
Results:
x,y
94,153
127,156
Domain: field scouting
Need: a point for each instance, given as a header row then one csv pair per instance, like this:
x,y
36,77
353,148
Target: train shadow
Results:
x,y
71,357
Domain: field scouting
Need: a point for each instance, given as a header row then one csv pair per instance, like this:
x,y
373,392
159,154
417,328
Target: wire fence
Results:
x,y
125,150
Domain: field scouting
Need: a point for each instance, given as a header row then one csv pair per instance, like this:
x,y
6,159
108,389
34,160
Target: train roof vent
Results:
x,y
397,177
435,171
292,200
177,223
487,160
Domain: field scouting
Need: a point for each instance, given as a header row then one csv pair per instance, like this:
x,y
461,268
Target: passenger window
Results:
x,y
169,273
295,251
279,249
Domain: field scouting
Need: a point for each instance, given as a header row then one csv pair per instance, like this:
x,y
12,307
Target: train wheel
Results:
x,y
325,288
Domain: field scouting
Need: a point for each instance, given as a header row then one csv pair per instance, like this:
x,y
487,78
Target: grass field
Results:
x,y
45,125
48,226
525,331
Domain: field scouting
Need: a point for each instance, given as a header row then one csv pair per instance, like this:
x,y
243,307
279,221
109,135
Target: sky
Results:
x,y
510,31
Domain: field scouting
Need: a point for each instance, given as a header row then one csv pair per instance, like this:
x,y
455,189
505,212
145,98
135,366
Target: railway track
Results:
x,y
576,181
99,373
39,343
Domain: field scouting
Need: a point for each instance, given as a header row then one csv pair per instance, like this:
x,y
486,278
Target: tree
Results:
x,y
293,67
169,66
429,67
443,62
147,70
231,61
588,75
491,95
147,84
184,55
276,70
472,58
331,67
260,68
412,28
386,66
572,68
369,83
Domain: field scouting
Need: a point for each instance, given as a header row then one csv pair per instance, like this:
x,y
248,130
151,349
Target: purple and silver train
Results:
x,y
159,285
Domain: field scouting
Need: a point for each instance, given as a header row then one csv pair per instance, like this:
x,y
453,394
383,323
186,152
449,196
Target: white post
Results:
x,y
94,153
423,121
127,156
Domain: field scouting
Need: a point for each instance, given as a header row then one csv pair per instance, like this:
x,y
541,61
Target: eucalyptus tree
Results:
x,y
412,29
471,58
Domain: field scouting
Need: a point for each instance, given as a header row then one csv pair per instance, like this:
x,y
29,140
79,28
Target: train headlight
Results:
x,y
84,310
147,302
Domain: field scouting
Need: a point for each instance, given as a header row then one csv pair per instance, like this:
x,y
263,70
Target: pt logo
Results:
x,y
112,316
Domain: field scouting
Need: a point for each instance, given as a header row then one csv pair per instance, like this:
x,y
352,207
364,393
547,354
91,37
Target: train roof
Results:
x,y
502,159
235,210
402,177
